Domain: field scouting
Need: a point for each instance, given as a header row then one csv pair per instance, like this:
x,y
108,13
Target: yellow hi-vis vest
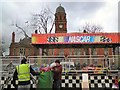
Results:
x,y
23,71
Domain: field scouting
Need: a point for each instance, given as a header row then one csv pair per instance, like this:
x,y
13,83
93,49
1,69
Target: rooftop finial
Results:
x,y
60,4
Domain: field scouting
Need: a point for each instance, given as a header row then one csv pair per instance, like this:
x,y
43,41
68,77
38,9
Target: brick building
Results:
x,y
23,47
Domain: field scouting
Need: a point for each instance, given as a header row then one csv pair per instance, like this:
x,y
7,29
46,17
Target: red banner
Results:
x,y
76,38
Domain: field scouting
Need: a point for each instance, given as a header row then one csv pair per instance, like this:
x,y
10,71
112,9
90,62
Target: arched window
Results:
x,y
56,17
77,51
60,17
14,52
61,52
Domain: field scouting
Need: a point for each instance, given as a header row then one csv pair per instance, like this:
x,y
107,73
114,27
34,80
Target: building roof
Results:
x,y
60,9
25,42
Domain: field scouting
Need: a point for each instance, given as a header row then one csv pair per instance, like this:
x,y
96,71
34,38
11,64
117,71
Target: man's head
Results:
x,y
57,62
23,61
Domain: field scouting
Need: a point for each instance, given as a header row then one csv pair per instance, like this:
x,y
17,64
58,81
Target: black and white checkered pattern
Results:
x,y
101,81
70,81
4,80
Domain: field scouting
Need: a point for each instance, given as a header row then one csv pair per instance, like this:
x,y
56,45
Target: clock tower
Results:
x,y
60,20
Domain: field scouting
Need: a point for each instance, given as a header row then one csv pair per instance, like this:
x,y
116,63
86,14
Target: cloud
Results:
x,y
78,13
108,17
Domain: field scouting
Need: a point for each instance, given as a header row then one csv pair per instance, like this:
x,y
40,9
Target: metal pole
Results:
x,y
113,54
1,55
0,66
90,55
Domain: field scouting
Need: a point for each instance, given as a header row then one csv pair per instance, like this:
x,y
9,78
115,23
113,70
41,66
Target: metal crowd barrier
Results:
x,y
7,67
36,61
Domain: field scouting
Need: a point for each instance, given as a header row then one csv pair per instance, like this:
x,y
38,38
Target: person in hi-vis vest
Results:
x,y
22,74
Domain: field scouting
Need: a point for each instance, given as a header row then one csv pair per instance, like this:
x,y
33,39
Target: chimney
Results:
x,y
35,31
13,37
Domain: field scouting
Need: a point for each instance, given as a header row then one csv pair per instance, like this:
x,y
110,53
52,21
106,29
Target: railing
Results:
x,y
95,59
8,62
37,61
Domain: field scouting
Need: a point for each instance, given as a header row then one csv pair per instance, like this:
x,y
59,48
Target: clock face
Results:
x,y
60,26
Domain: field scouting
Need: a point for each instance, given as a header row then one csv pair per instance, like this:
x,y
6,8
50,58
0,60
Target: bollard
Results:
x,y
85,81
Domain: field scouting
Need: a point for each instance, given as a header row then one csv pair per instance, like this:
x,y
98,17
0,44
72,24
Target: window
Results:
x,y
86,51
56,18
45,52
94,51
52,51
22,51
60,17
70,51
77,51
14,52
61,52
106,52
29,52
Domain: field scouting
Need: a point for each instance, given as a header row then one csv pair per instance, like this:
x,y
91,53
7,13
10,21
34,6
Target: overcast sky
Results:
x,y
79,12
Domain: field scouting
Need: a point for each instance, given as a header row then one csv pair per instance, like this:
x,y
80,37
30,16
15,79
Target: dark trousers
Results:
x,y
56,84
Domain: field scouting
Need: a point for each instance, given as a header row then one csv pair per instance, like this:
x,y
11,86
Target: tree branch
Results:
x,y
52,26
42,20
22,30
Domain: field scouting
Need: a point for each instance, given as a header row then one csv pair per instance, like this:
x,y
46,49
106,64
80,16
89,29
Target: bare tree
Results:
x,y
2,48
91,28
25,33
41,21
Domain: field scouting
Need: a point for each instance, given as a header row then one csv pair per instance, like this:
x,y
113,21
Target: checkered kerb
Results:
x,y
4,80
71,81
101,81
